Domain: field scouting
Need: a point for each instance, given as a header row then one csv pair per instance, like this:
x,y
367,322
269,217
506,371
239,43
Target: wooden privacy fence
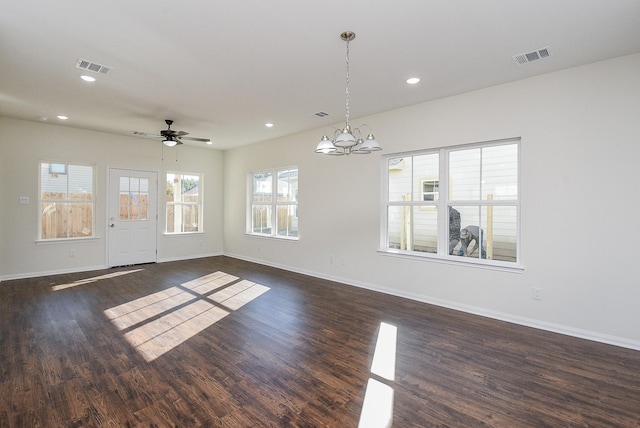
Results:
x,y
64,219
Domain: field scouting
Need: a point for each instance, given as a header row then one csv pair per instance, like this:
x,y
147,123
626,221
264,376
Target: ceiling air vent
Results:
x,y
526,57
321,114
92,66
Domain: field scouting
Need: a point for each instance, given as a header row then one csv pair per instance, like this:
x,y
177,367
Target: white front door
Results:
x,y
133,220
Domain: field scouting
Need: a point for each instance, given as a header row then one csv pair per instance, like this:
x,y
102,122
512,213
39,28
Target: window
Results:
x,y
273,203
184,203
430,190
66,201
134,199
457,203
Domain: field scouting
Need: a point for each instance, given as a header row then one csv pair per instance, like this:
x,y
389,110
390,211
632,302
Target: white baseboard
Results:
x,y
52,272
514,319
93,268
191,257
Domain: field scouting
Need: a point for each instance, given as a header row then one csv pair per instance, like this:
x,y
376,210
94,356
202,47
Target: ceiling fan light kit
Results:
x,y
346,140
169,142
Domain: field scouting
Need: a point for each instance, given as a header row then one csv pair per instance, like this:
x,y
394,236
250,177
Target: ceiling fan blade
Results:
x,y
140,134
181,133
204,140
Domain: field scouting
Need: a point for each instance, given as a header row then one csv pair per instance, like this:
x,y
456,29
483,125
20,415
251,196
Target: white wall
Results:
x,y
580,131
23,144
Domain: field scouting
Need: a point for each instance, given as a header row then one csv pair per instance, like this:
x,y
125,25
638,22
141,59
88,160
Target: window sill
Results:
x,y
174,234
281,238
458,261
66,240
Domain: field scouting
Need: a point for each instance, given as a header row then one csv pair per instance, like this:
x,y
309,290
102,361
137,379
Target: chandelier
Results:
x,y
346,141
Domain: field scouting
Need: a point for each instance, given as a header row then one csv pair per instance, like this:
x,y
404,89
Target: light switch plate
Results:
x,y
24,200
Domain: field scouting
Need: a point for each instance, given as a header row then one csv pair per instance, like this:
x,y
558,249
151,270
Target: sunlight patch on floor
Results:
x,y
92,279
160,336
157,323
384,357
377,408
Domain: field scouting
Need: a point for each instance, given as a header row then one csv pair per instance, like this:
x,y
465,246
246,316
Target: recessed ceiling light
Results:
x,y
413,80
269,125
88,78
62,117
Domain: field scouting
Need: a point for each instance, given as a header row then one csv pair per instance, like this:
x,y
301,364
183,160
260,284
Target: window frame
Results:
x,y
444,200
199,203
52,164
273,205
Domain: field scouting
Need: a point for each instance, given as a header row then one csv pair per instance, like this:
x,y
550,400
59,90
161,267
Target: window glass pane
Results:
x,y
426,177
171,223
472,219
262,187
287,220
80,216
425,229
399,228
400,176
464,175
80,182
134,198
501,233
473,242
143,199
54,220
124,184
261,219
189,218
190,188
454,230
171,182
473,233
53,185
500,172
288,185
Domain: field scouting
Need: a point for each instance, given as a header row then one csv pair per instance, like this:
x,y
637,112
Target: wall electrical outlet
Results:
x,y
24,200
537,293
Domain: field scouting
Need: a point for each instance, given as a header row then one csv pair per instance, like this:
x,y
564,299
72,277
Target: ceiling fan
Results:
x,y
171,137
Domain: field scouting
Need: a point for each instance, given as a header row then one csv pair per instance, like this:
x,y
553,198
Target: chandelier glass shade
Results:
x,y
346,140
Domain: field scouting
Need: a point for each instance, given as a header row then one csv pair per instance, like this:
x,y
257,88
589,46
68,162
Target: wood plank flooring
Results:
x,y
219,342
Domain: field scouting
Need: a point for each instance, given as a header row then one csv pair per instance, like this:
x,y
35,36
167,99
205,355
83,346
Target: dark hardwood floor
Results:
x,y
223,342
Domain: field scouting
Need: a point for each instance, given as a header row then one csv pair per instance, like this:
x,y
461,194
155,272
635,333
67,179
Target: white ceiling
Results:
x,y
221,69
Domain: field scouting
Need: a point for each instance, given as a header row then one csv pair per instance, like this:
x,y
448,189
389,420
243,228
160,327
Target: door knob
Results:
x,y
112,225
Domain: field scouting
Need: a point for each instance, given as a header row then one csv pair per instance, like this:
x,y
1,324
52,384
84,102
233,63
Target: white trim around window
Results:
x,y
472,218
66,201
184,203
272,203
